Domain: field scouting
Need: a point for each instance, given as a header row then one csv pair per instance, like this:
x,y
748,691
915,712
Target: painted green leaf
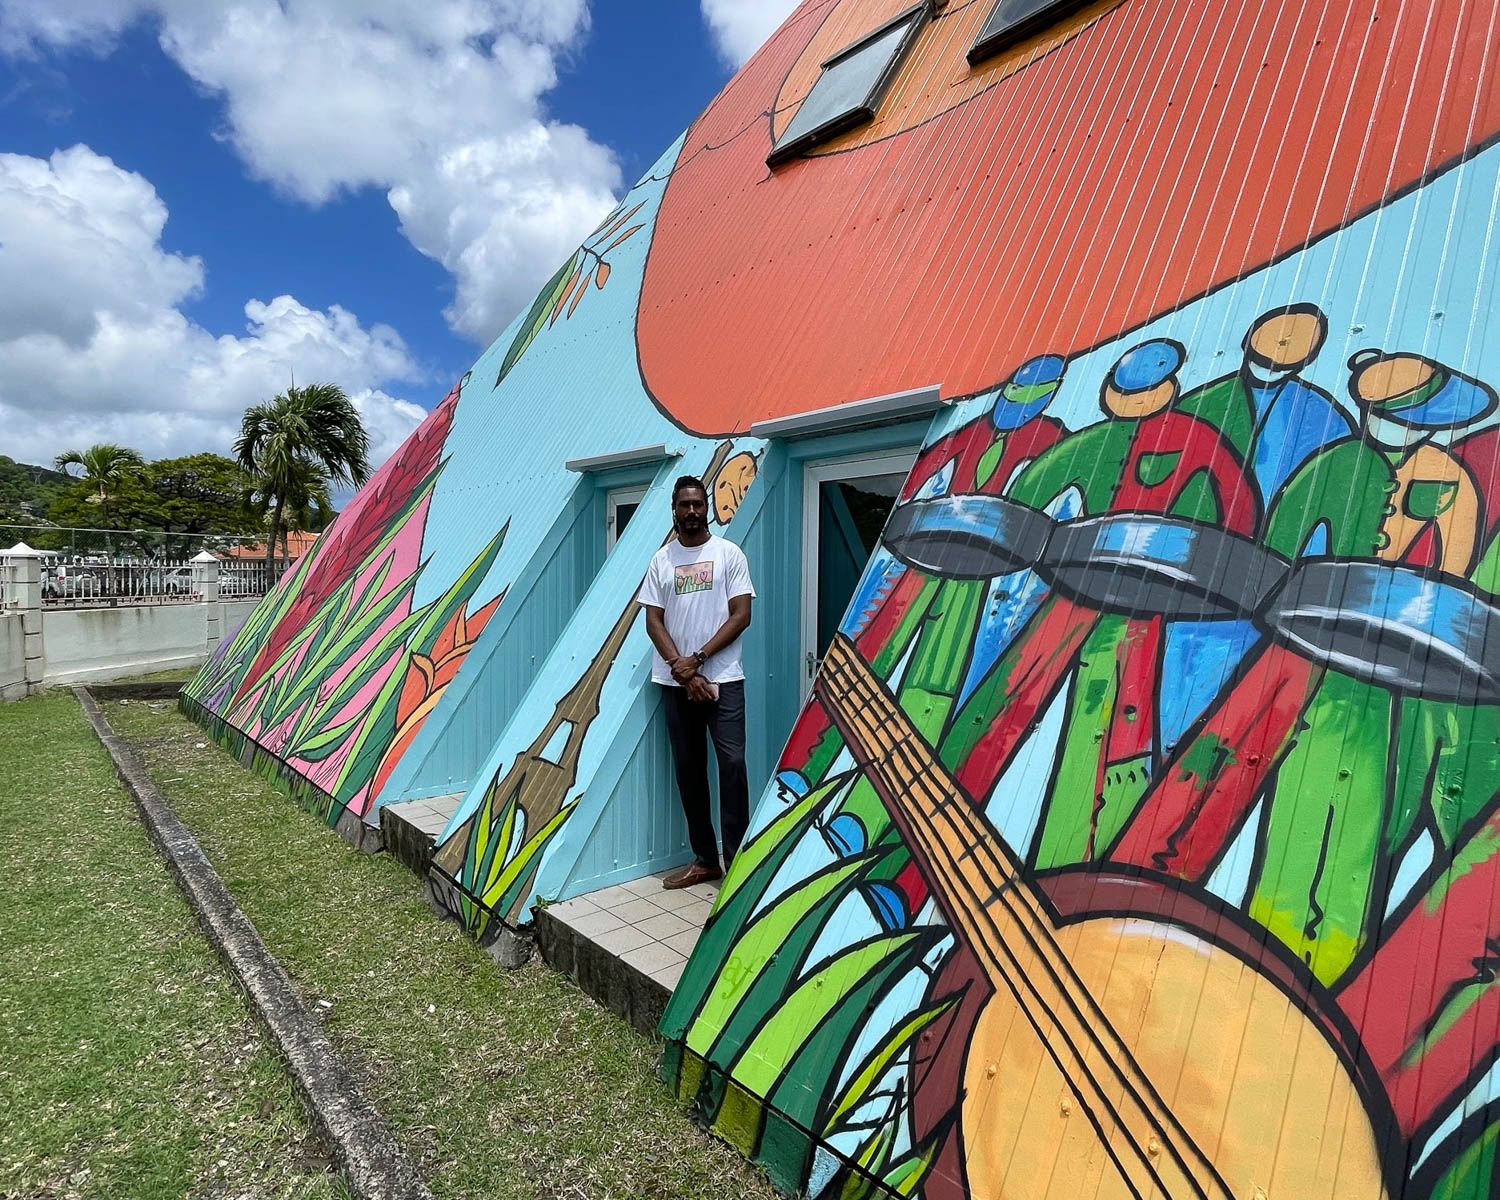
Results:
x,y
880,1060
758,958
459,594
525,858
792,823
498,838
820,1001
535,317
357,632
393,640
369,662
327,742
782,936
907,1176
513,896
334,611
834,1013
376,735
754,868
873,1160
1472,1176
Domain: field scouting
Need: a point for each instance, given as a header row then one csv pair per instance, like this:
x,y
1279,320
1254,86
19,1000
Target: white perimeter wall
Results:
x,y
12,657
95,645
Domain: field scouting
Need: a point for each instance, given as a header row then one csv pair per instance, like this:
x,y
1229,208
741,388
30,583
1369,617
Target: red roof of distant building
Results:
x,y
298,544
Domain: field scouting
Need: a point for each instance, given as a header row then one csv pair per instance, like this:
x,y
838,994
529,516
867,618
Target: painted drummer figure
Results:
x,y
1274,418
893,610
1392,494
1147,458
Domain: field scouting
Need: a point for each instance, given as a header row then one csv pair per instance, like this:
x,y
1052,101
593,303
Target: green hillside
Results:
x,y
25,487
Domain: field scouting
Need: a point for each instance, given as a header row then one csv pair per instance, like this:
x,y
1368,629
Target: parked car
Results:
x,y
59,582
238,583
171,581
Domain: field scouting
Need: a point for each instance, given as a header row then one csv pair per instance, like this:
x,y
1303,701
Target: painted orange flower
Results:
x,y
427,678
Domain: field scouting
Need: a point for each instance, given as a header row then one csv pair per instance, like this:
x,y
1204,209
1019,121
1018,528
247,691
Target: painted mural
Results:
x,y
1141,836
334,673
330,682
1093,992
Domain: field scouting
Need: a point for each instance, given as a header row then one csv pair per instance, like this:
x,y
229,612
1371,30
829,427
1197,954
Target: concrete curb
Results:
x,y
362,1145
159,690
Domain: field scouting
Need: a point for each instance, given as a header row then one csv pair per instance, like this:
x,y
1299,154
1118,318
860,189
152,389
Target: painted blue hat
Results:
x,y
1446,400
1144,366
1028,391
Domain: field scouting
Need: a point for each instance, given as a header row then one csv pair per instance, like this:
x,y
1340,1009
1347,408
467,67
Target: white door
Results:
x,y
845,502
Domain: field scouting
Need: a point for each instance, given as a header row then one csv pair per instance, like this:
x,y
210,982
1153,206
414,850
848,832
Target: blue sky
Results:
x,y
200,197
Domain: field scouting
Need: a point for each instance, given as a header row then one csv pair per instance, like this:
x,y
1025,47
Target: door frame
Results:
x,y
613,499
815,473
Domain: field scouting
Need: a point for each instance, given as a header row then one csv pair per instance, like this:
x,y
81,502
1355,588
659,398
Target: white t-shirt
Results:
x,y
694,585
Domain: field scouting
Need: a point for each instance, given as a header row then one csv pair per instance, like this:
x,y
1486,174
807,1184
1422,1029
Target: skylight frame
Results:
x,y
991,42
918,15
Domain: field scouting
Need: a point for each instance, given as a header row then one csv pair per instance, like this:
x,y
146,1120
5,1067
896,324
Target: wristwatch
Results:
x,y
700,656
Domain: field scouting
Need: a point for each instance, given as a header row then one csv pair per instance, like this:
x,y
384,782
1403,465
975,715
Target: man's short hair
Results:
x,y
688,481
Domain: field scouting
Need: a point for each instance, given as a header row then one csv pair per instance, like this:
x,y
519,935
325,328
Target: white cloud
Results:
x,y
438,102
94,345
741,27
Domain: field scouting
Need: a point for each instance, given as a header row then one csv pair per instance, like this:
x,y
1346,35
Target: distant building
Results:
x,y
297,543
1104,397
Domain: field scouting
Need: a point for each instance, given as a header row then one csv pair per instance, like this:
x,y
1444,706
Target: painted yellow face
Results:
x,y
1287,339
1135,405
731,484
1389,377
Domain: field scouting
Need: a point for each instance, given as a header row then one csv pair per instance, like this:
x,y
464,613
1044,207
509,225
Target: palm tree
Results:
x,y
103,464
302,433
307,504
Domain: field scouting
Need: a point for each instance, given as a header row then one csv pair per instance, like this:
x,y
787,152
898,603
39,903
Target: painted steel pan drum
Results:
x,y
1415,633
1143,565
967,536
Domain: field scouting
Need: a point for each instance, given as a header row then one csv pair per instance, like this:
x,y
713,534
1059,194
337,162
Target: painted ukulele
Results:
x,y
1118,1056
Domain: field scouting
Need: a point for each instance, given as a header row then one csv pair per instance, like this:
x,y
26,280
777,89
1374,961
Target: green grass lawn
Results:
x,y
503,1084
130,1065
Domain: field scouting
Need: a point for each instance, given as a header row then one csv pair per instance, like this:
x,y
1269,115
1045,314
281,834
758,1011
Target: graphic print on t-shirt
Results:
x,y
694,577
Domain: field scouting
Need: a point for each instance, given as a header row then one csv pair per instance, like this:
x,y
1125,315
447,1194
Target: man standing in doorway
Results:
x,y
697,595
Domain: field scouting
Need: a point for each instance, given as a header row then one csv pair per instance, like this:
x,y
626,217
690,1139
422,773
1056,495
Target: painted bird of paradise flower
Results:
x,y
335,673
427,678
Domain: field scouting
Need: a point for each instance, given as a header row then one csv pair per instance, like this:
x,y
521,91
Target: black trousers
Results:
x,y
690,723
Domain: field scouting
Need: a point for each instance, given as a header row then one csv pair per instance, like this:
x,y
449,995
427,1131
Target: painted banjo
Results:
x,y
1118,1056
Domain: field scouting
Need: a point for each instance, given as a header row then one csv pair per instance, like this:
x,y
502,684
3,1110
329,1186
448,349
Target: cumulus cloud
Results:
x,y
95,347
741,27
437,102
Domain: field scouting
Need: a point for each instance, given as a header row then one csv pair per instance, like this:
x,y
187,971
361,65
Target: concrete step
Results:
x,y
411,828
626,945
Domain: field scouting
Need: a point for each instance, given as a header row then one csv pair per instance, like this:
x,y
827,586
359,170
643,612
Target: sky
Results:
x,y
202,201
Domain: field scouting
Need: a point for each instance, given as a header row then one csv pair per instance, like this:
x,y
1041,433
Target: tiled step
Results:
x,y
411,829
626,945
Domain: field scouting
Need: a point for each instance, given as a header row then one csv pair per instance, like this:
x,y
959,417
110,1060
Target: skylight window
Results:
x,y
853,81
1011,21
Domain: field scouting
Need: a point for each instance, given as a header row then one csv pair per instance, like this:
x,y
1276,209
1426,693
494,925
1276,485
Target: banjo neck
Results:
x,y
990,906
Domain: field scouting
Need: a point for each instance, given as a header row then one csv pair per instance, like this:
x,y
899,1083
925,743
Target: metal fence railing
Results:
x,y
90,580
80,580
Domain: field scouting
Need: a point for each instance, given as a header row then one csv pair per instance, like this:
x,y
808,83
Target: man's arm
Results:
x,y
736,624
683,667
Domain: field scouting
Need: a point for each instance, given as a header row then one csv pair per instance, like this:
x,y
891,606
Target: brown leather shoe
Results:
x,y
691,874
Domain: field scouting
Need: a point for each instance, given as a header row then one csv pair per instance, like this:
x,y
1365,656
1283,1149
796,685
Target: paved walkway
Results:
x,y
642,924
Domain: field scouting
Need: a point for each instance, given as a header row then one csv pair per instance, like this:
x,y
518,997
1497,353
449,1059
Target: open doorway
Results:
x,y
845,503
620,505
